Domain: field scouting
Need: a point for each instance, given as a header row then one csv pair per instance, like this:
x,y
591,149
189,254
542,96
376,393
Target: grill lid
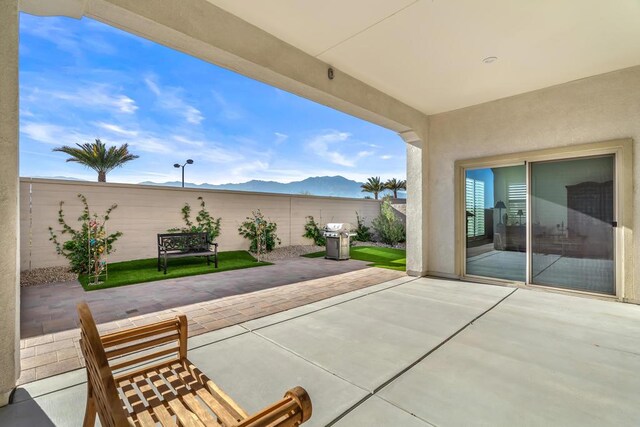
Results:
x,y
337,227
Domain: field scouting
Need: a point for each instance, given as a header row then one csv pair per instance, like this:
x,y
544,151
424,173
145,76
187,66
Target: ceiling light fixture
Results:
x,y
490,59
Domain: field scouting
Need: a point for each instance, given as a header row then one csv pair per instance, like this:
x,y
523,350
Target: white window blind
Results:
x,y
517,195
474,195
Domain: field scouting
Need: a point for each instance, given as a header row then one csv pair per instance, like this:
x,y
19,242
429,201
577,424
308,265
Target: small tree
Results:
x,y
96,156
388,227
373,185
312,231
362,231
395,185
260,232
89,243
205,223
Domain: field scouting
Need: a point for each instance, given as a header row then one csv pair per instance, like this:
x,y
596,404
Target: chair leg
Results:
x,y
208,260
90,410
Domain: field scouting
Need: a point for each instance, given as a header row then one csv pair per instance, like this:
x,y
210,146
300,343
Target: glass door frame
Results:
x,y
623,207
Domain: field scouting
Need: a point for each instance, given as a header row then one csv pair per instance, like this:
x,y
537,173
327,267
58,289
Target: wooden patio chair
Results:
x,y
142,377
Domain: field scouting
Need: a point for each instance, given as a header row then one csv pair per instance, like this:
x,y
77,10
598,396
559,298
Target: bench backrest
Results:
x,y
184,242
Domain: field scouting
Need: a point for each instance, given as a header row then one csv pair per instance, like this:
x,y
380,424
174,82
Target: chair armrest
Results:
x,y
293,409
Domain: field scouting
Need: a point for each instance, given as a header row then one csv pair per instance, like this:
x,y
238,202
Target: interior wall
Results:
x,y
144,211
550,183
598,108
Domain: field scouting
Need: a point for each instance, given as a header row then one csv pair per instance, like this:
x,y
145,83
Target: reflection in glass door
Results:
x,y
495,202
572,214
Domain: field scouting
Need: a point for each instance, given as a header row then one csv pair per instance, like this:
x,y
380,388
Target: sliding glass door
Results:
x,y
572,215
570,224
495,201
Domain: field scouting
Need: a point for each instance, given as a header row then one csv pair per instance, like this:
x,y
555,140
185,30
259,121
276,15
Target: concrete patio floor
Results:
x,y
413,352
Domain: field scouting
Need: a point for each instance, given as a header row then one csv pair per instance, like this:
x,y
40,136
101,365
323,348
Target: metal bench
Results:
x,y
180,245
142,377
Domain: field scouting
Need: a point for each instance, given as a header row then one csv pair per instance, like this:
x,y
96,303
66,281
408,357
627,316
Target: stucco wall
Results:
x,y
599,108
144,211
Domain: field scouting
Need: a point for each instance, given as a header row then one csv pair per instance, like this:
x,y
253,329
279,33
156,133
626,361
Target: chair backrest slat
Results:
x,y
99,374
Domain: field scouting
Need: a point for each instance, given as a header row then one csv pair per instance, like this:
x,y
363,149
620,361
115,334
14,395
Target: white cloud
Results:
x,y
49,133
227,111
117,129
363,154
92,95
280,138
386,157
54,30
170,98
320,145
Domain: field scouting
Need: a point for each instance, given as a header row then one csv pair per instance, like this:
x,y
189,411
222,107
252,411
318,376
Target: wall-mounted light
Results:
x,y
330,73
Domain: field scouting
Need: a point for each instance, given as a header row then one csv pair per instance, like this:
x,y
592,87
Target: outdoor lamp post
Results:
x,y
520,213
177,165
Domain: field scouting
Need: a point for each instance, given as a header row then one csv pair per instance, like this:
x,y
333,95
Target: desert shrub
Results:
x,y
389,229
89,243
363,233
260,232
312,231
204,222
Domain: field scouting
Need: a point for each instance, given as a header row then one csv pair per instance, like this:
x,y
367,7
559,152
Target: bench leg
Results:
x,y
90,410
159,268
208,260
165,263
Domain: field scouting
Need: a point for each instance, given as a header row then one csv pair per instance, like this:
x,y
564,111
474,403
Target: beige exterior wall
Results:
x,y
9,294
144,211
599,108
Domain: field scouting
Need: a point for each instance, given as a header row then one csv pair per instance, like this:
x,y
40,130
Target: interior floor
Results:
x,y
585,274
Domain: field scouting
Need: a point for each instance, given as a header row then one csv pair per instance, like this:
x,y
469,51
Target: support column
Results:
x,y
9,185
417,175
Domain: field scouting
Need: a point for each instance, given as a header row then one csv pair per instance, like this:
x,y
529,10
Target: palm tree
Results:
x,y
395,185
97,156
373,185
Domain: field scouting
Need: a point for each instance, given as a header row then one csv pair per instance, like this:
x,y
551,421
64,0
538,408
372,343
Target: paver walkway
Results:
x,y
210,302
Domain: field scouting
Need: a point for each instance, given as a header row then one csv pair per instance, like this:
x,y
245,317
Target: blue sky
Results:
x,y
81,79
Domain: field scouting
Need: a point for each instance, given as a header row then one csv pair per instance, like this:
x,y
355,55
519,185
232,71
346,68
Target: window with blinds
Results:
x,y
474,195
517,196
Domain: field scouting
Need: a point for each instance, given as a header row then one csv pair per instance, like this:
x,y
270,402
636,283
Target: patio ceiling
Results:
x,y
429,53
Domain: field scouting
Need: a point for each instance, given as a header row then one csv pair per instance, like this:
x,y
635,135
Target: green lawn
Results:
x,y
393,259
146,270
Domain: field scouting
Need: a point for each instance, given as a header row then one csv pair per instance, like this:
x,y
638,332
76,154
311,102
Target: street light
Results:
x,y
177,165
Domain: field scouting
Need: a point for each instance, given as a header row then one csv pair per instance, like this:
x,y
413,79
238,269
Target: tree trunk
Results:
x,y
395,194
376,194
102,176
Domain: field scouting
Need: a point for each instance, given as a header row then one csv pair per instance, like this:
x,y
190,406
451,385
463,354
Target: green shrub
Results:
x,y
260,232
388,228
89,244
204,222
363,233
312,231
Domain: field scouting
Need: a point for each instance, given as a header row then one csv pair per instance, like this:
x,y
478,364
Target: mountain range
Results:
x,y
337,186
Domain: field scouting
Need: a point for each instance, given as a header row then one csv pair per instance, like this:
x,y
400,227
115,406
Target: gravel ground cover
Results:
x,y
47,275
287,252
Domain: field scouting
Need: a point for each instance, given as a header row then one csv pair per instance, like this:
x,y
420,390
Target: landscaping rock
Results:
x,y
287,252
47,275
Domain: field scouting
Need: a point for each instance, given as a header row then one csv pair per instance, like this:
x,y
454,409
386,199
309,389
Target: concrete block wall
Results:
x,y
144,211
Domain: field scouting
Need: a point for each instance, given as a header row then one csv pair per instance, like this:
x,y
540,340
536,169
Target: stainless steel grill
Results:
x,y
338,236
